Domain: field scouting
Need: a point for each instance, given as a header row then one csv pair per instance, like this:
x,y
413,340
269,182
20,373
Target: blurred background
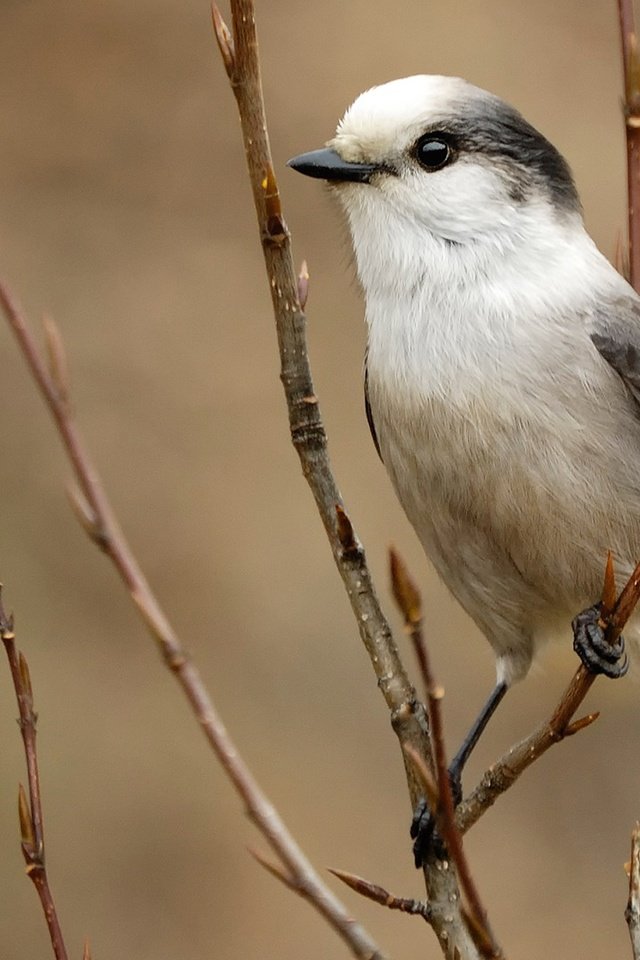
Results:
x,y
125,213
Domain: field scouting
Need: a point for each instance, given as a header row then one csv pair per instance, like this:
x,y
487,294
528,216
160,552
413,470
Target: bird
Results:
x,y
502,367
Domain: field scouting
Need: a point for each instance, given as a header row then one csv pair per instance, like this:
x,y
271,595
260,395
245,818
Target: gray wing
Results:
x,y
368,410
617,340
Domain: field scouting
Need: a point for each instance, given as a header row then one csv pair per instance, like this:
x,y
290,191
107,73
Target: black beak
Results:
x,y
326,164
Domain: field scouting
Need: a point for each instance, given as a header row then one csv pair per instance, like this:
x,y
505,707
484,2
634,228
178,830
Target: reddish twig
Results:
x,y
409,601
507,770
97,517
30,810
631,66
632,912
373,891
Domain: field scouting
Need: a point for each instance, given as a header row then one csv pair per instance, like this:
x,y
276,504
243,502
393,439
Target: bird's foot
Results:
x,y
426,838
593,648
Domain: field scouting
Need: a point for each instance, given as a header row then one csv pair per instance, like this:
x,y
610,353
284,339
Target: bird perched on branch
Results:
x,y
502,377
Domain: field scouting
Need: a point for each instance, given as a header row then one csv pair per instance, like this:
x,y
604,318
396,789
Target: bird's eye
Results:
x,y
433,152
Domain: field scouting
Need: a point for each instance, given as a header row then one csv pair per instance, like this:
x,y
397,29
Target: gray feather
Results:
x,y
368,410
619,342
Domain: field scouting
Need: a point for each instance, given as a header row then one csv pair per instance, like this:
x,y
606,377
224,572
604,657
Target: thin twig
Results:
x,y
30,810
373,891
409,601
503,774
631,107
632,912
99,521
239,51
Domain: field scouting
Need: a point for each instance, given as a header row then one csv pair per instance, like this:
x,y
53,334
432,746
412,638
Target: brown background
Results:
x,y
124,211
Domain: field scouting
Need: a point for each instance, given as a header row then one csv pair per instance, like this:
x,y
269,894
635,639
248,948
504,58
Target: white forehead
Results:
x,y
387,118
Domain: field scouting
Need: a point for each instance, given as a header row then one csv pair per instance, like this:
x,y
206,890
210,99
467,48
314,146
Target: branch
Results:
x,y
409,601
30,810
631,108
505,772
632,912
239,52
96,515
372,891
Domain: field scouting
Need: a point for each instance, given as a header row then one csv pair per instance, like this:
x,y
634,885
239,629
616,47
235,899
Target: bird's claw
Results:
x,y
593,648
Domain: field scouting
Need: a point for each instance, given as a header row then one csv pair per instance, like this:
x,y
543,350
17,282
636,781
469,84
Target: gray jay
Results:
x,y
502,377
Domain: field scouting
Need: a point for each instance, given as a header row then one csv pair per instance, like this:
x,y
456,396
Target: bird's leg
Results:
x,y
593,648
423,823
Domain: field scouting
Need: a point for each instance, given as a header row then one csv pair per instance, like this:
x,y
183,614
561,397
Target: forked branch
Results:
x,y
503,774
30,808
98,519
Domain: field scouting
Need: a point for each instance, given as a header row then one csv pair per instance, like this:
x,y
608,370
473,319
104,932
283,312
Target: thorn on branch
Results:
x,y
346,535
405,592
224,40
303,285
379,895
27,832
275,870
632,912
25,677
624,606
86,515
57,359
632,82
276,231
581,723
609,592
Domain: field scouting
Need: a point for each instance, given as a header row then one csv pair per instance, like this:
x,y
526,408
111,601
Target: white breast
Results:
x,y
493,411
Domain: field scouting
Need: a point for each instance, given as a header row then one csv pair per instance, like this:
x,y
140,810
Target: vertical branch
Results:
x,y
632,912
409,602
631,66
30,810
239,53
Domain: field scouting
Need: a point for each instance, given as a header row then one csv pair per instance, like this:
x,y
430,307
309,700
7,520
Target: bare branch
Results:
x,y
95,513
30,810
631,65
409,601
309,439
503,774
632,912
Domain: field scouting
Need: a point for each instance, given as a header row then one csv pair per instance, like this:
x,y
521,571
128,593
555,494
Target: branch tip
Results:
x,y
224,40
405,592
609,587
581,724
373,891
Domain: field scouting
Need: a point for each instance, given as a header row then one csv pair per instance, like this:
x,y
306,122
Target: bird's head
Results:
x,y
430,155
